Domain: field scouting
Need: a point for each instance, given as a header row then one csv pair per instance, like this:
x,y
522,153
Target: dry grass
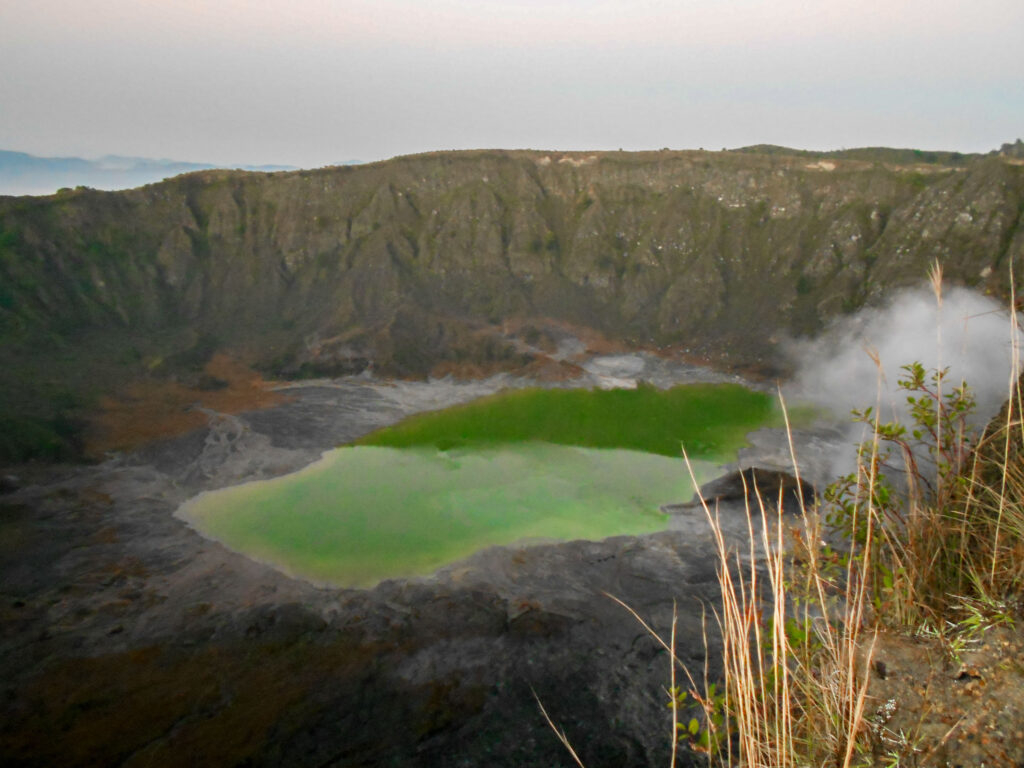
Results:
x,y
939,549
950,532
929,534
795,671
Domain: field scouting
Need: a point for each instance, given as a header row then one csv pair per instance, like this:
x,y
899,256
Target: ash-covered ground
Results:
x,y
128,639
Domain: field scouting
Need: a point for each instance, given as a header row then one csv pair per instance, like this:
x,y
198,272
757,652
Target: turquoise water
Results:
x,y
370,512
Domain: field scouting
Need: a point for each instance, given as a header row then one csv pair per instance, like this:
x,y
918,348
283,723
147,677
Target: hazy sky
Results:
x,y
309,82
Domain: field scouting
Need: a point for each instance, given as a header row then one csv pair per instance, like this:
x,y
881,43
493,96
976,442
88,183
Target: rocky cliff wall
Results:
x,y
424,258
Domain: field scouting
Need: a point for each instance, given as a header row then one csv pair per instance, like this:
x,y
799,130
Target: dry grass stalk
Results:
x,y
795,684
799,627
674,664
558,732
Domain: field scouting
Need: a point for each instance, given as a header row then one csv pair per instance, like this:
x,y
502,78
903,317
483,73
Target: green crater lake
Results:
x,y
533,464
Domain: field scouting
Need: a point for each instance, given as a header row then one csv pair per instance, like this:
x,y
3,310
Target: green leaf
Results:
x,y
887,580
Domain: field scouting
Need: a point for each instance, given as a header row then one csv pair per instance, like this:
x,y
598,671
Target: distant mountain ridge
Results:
x,y
25,174
890,155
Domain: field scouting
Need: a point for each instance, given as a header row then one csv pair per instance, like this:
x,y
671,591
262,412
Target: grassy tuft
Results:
x,y
793,628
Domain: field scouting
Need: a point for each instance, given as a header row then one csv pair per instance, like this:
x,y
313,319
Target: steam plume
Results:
x,y
970,334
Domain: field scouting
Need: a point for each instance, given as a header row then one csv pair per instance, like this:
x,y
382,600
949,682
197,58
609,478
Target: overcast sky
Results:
x,y
311,82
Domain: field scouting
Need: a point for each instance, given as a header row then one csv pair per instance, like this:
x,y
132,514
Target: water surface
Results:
x,y
709,420
519,466
366,513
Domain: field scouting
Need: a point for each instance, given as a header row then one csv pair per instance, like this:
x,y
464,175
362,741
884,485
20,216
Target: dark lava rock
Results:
x,y
9,483
772,486
128,639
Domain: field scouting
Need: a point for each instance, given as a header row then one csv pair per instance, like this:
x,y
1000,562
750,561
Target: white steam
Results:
x,y
970,334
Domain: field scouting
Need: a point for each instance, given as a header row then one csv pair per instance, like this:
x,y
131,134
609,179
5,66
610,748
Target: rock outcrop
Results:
x,y
752,486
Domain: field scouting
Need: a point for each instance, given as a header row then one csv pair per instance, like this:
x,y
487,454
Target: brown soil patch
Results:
x,y
150,409
595,341
542,368
467,371
227,705
546,330
152,707
939,706
546,369
765,371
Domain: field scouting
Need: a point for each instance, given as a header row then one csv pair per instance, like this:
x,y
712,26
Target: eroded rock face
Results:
x,y
422,260
667,248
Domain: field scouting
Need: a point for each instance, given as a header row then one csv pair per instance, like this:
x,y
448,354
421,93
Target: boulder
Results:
x,y
749,484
